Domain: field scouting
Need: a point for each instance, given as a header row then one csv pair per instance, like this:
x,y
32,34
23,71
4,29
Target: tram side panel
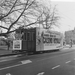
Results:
x,y
39,42
47,42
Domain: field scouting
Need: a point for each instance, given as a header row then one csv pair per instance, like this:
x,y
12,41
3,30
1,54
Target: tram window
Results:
x,y
25,36
51,35
56,40
54,35
32,36
50,40
28,36
47,40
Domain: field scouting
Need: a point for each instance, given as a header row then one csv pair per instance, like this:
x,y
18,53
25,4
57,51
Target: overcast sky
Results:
x,y
66,10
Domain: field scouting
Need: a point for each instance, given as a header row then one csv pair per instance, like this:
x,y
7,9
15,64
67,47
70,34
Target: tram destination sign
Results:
x,y
17,44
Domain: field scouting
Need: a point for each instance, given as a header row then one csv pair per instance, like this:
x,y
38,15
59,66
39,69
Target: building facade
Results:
x,y
70,36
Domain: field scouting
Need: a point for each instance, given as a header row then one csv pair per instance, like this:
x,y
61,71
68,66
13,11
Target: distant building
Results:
x,y
70,36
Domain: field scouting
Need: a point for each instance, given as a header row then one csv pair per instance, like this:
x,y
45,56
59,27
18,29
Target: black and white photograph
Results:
x,y
37,37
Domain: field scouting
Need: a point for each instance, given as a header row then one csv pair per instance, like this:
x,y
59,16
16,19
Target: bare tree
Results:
x,y
50,17
15,13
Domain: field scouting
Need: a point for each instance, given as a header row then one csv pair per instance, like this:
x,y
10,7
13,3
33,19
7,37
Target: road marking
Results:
x,y
9,58
68,62
8,74
56,66
13,66
42,73
26,61
6,60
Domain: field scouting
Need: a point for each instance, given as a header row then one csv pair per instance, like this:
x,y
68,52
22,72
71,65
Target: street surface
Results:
x,y
3,52
57,63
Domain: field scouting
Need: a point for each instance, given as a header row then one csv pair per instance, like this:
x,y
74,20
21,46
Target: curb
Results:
x,y
5,55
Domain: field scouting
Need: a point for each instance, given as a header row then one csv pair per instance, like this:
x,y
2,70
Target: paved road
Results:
x,y
4,52
58,63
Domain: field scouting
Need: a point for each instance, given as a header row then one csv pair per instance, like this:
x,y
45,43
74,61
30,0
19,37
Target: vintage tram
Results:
x,y
38,40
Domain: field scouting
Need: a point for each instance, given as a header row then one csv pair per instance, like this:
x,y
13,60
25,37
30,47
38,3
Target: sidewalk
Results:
x,y
2,52
67,47
73,47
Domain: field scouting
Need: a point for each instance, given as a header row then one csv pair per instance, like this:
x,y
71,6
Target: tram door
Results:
x,y
29,40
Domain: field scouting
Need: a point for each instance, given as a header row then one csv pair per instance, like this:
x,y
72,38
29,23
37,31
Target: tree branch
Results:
x,y
9,11
18,17
4,27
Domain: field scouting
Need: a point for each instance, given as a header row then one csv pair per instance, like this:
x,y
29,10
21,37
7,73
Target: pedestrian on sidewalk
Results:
x,y
70,43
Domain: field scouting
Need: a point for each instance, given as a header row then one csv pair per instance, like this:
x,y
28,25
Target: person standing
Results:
x,y
70,42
